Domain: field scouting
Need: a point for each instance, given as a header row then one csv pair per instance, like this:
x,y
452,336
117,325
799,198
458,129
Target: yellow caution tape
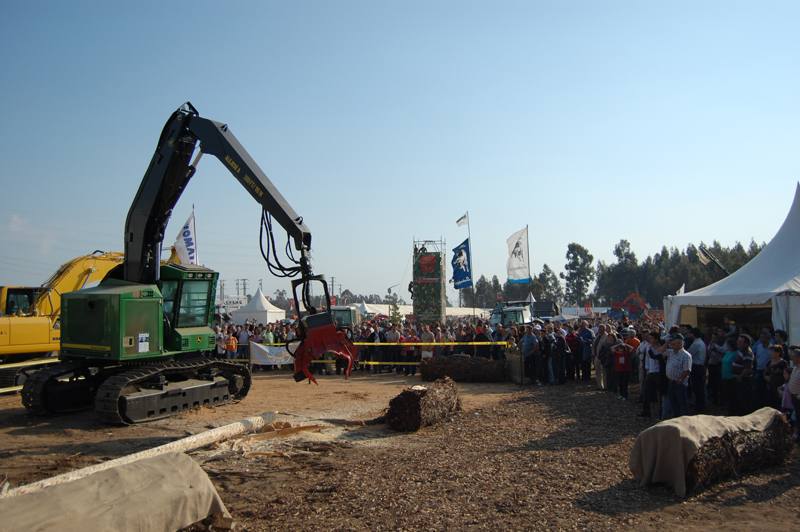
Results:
x,y
408,344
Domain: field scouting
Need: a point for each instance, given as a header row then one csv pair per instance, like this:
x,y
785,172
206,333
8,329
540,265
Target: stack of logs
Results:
x,y
420,406
740,452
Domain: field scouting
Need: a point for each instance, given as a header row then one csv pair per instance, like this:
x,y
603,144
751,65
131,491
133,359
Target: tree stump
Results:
x,y
463,368
420,406
739,452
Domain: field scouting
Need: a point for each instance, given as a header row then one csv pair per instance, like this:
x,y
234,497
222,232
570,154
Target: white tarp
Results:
x,y
258,310
775,270
269,355
166,492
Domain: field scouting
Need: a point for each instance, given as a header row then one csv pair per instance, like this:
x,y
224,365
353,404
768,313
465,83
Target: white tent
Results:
x,y
258,310
770,279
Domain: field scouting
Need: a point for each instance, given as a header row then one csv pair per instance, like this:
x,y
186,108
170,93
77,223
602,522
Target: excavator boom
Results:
x,y
167,176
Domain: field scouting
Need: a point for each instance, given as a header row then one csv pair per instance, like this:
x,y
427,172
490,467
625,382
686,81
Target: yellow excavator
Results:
x,y
30,316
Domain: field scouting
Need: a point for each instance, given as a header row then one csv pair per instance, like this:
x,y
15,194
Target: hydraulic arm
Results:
x,y
185,138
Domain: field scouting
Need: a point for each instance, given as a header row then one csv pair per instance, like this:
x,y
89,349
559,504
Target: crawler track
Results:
x,y
118,398
132,394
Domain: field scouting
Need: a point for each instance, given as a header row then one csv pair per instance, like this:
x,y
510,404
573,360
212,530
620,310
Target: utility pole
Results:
x,y
244,287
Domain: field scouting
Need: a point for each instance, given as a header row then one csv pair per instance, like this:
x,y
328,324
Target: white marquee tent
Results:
x,y
770,279
259,310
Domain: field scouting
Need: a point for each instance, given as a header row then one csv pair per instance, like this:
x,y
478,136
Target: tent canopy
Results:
x,y
774,271
259,309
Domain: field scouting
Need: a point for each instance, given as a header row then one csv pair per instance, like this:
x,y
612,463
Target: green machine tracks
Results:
x,y
134,393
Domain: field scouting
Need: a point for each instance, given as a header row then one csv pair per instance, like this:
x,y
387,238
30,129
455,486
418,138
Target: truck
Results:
x,y
511,313
346,317
139,346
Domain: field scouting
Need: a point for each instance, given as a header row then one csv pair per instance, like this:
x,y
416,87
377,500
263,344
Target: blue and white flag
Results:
x,y
462,266
186,243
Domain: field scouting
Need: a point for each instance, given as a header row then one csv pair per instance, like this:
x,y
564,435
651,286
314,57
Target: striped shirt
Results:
x,y
679,362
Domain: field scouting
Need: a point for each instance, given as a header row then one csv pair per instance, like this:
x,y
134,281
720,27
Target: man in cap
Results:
x,y
679,367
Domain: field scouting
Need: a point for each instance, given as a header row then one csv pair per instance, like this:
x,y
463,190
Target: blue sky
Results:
x,y
659,122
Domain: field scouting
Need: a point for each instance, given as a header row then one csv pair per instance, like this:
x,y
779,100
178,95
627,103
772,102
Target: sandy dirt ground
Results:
x,y
551,457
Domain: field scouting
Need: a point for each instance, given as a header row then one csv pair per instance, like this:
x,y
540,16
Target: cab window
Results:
x,y
19,301
168,290
193,311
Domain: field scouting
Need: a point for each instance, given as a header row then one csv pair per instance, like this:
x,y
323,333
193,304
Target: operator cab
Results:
x,y
18,300
188,292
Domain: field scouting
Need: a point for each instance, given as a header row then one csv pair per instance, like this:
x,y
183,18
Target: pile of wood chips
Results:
x,y
739,452
463,368
420,406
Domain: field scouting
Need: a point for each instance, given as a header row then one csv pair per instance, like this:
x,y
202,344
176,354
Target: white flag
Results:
x,y
517,265
464,220
681,290
186,243
703,257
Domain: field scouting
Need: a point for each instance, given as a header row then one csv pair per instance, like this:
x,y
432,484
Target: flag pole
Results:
x,y
528,256
472,266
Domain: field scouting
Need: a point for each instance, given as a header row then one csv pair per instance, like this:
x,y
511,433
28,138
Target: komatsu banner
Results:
x,y
462,266
518,267
186,243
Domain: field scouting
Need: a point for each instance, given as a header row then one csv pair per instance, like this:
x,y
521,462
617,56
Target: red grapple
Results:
x,y
321,336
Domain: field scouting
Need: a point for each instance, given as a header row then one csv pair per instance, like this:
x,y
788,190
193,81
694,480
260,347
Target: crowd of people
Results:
x,y
680,371
233,341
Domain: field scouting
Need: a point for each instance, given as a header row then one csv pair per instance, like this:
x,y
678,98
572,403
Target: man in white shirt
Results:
x,y
243,337
697,348
679,367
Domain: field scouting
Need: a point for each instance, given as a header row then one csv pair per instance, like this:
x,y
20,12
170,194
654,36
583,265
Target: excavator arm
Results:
x,y
186,136
168,175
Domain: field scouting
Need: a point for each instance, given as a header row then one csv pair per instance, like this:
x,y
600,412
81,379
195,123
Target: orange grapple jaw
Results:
x,y
318,341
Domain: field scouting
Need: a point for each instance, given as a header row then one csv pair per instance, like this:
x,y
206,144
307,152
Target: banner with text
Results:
x,y
186,243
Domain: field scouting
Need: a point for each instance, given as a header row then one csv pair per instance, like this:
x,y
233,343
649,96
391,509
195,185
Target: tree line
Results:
x,y
653,278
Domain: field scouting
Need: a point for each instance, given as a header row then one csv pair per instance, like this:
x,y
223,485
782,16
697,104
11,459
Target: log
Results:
x,y
740,452
463,368
190,443
421,406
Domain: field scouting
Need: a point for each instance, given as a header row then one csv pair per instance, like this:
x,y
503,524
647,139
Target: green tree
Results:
x,y
394,314
482,293
496,290
616,281
551,289
579,273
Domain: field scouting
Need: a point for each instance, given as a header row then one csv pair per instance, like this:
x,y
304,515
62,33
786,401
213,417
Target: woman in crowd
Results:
x,y
651,360
744,369
600,343
773,375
